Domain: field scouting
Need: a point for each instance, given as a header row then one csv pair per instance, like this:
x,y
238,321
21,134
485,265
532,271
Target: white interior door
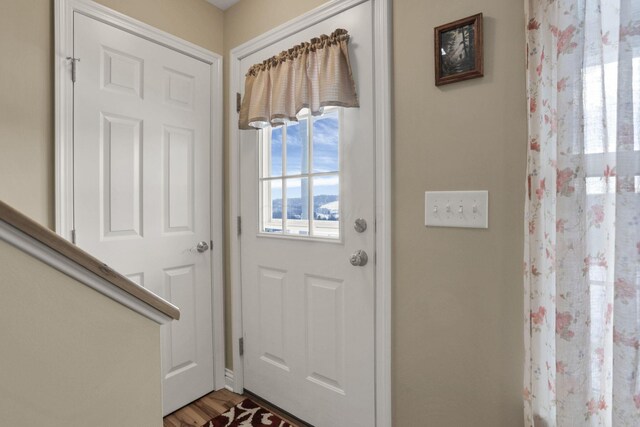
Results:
x,y
307,312
142,120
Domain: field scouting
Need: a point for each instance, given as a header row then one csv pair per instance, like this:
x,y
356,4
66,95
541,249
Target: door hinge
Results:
x,y
73,236
211,245
74,67
239,226
241,346
238,102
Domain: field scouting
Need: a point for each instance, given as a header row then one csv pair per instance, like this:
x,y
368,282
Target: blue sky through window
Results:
x,y
276,151
325,143
325,146
297,148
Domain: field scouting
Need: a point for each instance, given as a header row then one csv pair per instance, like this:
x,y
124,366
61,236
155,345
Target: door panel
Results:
x,y
179,173
122,72
308,314
122,170
272,320
325,332
142,184
180,285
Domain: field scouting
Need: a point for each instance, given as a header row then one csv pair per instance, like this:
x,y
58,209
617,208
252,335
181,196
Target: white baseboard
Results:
x,y
228,379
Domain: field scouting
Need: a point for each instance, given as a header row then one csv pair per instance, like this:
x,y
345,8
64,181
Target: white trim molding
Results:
x,y
382,69
217,222
64,12
382,83
229,382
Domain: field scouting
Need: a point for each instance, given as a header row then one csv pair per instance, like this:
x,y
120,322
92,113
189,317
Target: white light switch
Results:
x,y
467,209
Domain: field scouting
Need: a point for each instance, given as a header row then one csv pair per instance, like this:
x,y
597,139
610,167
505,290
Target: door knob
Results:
x,y
360,225
202,247
359,258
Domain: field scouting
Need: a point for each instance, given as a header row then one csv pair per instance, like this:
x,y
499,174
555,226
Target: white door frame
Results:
x,y
64,10
382,95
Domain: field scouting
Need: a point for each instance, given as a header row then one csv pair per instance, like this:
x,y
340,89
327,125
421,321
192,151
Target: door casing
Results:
x,y
382,106
64,198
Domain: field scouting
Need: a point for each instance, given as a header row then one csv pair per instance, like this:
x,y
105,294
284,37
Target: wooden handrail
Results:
x,y
50,239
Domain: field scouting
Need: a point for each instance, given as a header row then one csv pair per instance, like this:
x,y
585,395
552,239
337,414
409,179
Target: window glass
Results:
x,y
326,205
300,181
271,191
297,206
325,143
275,162
297,148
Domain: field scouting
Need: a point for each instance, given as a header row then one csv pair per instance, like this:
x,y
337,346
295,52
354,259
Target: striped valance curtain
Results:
x,y
311,75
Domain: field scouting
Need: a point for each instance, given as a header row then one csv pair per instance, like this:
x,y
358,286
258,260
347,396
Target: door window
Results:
x,y
300,177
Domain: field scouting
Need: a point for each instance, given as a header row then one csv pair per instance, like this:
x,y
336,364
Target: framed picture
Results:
x,y
458,50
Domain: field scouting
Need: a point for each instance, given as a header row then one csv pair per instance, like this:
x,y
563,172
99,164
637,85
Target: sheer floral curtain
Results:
x,y
582,234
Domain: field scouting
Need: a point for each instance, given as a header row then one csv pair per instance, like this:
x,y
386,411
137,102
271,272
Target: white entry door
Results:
x,y
142,184
307,312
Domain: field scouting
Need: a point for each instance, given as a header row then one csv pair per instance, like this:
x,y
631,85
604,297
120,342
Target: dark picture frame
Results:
x,y
458,50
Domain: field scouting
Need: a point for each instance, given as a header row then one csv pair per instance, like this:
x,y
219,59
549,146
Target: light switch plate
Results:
x,y
466,209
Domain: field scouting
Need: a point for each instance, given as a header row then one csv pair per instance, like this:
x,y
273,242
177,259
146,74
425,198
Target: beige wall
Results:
x,y
457,312
193,20
457,322
26,108
26,87
458,300
71,356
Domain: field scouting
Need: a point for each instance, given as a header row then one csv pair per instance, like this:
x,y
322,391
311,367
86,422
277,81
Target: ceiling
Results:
x,y
223,4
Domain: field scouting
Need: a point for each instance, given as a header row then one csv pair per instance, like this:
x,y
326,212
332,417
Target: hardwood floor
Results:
x,y
197,413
